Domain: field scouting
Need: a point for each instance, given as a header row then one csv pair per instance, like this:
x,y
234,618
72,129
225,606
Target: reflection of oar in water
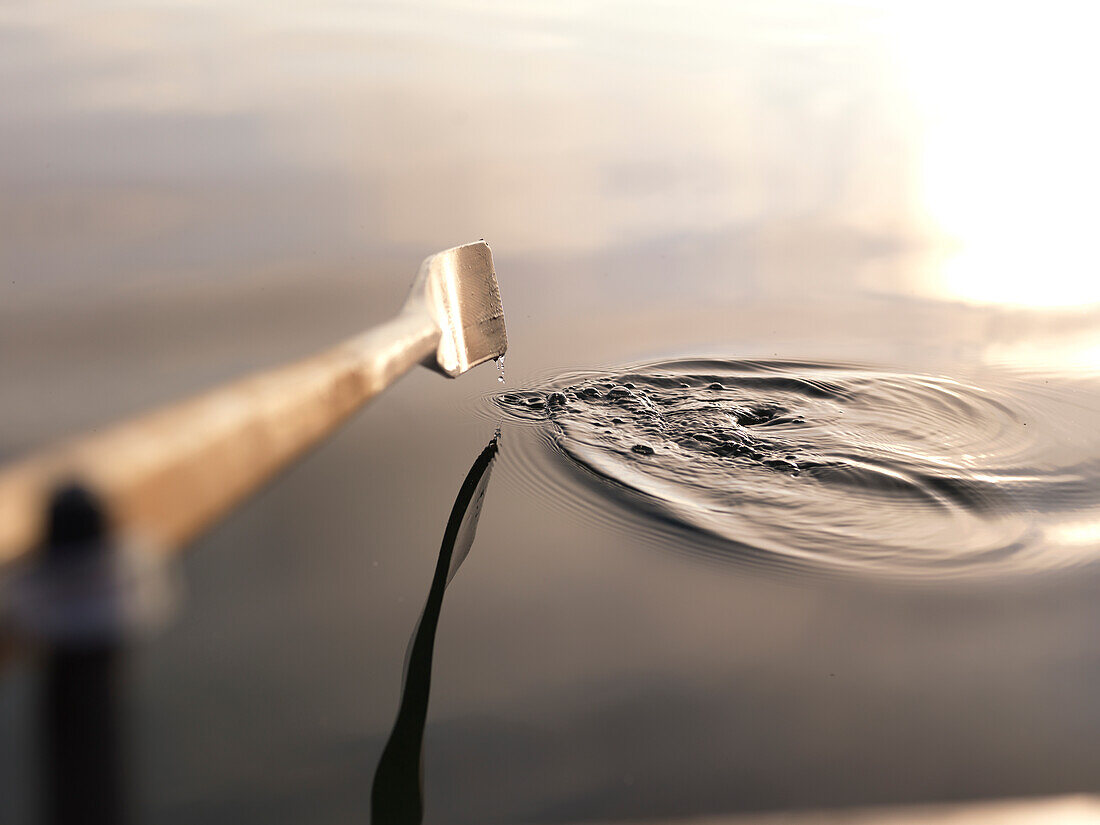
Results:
x,y
396,798
169,474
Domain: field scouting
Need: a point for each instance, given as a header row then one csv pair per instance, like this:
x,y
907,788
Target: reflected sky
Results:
x,y
1006,160
958,142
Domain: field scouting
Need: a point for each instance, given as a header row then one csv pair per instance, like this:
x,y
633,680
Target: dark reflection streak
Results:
x,y
397,798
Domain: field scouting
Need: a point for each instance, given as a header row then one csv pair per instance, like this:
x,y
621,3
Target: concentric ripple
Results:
x,y
832,466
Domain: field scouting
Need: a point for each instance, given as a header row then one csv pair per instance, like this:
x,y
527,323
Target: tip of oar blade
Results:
x,y
462,288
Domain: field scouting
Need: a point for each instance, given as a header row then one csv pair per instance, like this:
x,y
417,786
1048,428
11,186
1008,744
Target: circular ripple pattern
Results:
x,y
831,466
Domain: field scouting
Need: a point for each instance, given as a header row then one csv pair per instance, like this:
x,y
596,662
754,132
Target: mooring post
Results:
x,y
78,601
80,719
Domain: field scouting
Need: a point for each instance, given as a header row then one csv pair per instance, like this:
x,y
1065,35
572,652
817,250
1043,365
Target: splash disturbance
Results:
x,y
831,465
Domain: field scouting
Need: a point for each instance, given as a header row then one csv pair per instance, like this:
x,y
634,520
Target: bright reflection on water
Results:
x,y
1007,168
192,190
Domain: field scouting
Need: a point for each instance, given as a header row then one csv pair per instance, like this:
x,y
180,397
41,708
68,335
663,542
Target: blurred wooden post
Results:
x,y
83,757
82,770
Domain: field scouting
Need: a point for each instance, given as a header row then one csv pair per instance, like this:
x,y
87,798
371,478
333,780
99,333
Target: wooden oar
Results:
x,y
165,476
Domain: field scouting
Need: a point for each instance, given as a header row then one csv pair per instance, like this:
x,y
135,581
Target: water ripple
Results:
x,y
828,466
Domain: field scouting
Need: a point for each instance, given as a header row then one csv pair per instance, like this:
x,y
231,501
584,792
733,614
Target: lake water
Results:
x,y
892,198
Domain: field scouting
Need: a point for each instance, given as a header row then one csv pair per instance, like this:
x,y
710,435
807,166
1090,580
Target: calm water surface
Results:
x,y
893,288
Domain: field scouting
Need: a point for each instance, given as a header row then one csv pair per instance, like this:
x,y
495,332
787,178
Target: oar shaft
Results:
x,y
167,475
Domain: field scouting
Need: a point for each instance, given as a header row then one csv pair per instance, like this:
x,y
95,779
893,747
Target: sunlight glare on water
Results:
x,y
1009,163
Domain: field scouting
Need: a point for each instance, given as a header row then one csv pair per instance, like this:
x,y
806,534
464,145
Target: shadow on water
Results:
x,y
397,795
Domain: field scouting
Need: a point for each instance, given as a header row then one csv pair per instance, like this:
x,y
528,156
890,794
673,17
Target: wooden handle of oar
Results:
x,y
165,476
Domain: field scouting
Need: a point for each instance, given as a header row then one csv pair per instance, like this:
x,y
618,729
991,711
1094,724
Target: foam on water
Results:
x,y
832,466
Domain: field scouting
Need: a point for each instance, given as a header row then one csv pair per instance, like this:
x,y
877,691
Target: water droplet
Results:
x,y
500,368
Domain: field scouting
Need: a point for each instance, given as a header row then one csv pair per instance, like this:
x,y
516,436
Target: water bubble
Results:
x,y
500,368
